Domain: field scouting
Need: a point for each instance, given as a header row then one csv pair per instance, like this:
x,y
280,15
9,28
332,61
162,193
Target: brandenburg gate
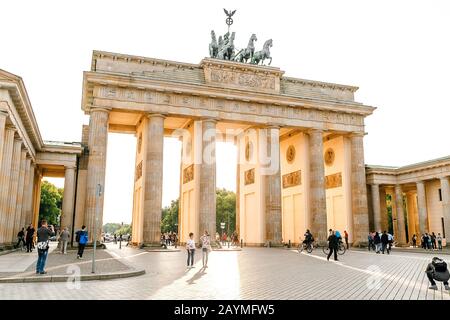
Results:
x,y
299,142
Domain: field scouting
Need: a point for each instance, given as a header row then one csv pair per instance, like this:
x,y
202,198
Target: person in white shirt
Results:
x,y
439,240
206,247
190,247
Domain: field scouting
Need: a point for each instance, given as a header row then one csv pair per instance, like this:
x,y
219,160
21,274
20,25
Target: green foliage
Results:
x,y
389,210
51,203
225,210
169,218
111,228
126,229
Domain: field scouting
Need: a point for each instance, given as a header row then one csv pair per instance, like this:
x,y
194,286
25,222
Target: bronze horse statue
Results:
x,y
247,54
226,50
264,54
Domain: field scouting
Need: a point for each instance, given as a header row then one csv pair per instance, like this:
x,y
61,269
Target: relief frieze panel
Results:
x,y
333,181
188,174
223,105
292,179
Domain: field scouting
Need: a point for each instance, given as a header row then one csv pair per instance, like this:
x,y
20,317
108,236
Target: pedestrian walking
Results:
x,y
29,237
390,242
377,242
43,239
433,241
21,239
190,247
384,242
333,243
414,241
370,240
82,239
439,240
206,247
346,238
437,271
64,238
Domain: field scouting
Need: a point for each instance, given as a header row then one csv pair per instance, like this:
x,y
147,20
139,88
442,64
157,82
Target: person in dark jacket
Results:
x,y
29,238
82,239
333,243
377,242
43,237
384,242
437,271
21,239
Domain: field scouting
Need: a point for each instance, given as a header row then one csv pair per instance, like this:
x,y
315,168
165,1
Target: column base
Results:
x,y
359,244
152,245
274,244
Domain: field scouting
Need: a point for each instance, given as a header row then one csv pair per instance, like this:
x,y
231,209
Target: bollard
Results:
x,y
270,244
289,244
242,243
228,244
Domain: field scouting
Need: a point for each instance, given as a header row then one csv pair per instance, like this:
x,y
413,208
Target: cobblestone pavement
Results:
x,y
254,273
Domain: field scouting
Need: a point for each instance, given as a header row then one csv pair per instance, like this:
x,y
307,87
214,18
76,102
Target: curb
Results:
x,y
411,251
64,278
3,252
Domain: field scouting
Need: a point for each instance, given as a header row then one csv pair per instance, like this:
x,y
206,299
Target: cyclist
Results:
x,y
308,237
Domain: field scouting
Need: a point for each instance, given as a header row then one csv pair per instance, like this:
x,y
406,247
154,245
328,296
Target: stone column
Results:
x,y
13,190
5,146
422,207
26,193
376,207
30,200
98,138
68,198
153,179
207,203
238,186
272,189
318,206
445,190
20,193
383,209
360,211
400,237
3,118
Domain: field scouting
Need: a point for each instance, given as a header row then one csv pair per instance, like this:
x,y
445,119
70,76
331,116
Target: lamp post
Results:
x,y
120,236
97,202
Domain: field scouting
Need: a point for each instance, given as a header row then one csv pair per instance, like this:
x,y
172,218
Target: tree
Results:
x,y
51,203
226,210
169,218
111,228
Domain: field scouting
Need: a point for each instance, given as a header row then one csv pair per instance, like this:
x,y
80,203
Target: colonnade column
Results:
x,y
383,209
400,237
376,207
13,190
98,137
6,143
26,193
317,186
68,198
30,202
20,192
153,180
445,191
272,178
360,212
422,207
207,203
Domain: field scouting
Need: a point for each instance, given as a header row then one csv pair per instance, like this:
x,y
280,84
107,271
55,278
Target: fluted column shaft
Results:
x,y
376,207
68,198
272,188
383,209
207,203
13,188
153,176
98,139
445,190
26,193
422,207
360,212
5,146
400,237
317,186
30,194
20,192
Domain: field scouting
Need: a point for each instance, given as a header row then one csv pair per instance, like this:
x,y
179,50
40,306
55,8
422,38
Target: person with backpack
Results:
x,y
437,271
43,243
82,239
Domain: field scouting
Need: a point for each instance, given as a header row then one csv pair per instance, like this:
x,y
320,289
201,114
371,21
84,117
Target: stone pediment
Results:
x,y
236,75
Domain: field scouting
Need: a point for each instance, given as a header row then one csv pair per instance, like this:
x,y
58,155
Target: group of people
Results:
x,y
25,238
224,239
169,238
380,242
428,241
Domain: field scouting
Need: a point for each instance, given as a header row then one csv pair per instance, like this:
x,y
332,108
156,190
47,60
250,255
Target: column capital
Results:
x,y
69,167
156,115
274,125
443,178
209,119
10,127
99,109
314,130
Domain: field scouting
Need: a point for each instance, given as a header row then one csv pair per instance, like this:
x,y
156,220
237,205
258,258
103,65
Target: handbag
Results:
x,y
42,245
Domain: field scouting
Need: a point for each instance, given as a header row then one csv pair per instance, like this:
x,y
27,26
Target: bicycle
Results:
x,y
303,246
341,249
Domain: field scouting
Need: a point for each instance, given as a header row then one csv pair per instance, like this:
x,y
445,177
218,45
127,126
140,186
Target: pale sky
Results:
x,y
396,52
